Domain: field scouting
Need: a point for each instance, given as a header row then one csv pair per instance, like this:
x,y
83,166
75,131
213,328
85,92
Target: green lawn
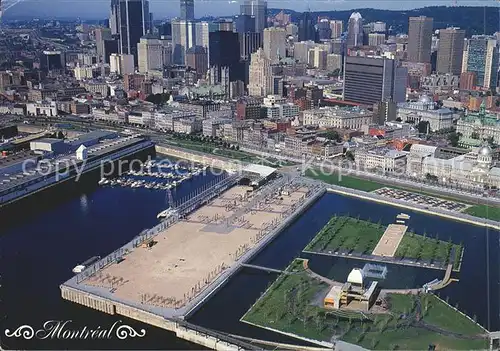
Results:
x,y
427,249
345,181
293,304
347,234
484,211
481,211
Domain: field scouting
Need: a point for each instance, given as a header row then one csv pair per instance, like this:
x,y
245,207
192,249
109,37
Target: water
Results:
x,y
39,247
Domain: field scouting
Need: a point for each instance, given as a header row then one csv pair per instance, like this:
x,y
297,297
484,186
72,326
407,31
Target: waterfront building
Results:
x,y
425,110
482,59
370,80
420,39
355,30
477,126
385,160
450,52
336,117
154,54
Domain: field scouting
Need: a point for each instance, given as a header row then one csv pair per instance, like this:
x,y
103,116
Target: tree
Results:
x,y
333,135
453,138
422,127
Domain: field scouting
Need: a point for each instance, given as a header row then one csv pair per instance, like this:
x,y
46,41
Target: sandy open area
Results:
x,y
389,242
192,253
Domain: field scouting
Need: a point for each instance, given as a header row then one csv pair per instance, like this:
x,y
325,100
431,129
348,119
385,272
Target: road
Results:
x,y
472,195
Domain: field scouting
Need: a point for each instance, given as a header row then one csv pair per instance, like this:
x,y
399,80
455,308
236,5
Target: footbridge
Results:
x,y
265,269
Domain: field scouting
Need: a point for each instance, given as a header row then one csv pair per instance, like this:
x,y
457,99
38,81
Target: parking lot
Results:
x,y
428,201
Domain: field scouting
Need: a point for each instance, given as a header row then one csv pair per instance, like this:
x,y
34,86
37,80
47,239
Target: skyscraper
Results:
x,y
257,8
420,39
249,43
482,59
133,23
275,43
187,10
224,51
371,80
197,58
355,30
114,16
306,27
337,28
154,54
450,51
101,35
261,75
244,23
183,37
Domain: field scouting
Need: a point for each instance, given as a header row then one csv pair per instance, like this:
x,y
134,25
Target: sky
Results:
x,y
95,9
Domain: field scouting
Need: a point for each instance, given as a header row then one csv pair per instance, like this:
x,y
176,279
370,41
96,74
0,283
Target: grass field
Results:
x,y
484,211
347,234
481,211
345,181
293,304
427,249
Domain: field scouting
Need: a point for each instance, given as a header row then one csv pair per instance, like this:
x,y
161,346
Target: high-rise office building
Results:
x,y
244,23
187,10
52,60
133,24
183,37
101,35
324,29
376,39
420,39
257,8
249,43
261,75
450,51
121,64
337,28
114,17
482,59
197,59
371,80
307,30
154,54
224,51
355,30
274,43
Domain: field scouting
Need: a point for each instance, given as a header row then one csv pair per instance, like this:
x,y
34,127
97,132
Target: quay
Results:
x,y
460,217
165,274
26,176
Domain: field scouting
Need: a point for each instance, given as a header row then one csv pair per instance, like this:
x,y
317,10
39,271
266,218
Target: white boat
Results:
x,y
165,214
81,267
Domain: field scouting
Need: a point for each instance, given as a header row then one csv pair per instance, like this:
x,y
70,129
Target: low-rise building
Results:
x,y
425,110
336,117
48,109
387,161
479,126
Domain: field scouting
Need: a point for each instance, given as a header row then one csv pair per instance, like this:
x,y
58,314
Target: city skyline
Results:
x,y
100,8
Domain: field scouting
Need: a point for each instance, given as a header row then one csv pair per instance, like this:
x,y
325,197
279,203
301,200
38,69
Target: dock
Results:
x,y
193,255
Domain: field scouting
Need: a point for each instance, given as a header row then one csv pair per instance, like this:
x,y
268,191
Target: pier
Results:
x,y
168,272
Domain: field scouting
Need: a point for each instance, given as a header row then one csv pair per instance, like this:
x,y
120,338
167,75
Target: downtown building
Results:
x,y
420,39
370,80
482,60
154,54
450,51
355,30
258,9
133,22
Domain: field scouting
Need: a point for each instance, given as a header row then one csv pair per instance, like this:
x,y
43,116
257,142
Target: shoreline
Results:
x,y
366,196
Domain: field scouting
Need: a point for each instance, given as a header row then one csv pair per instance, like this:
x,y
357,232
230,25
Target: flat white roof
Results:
x,y
263,171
